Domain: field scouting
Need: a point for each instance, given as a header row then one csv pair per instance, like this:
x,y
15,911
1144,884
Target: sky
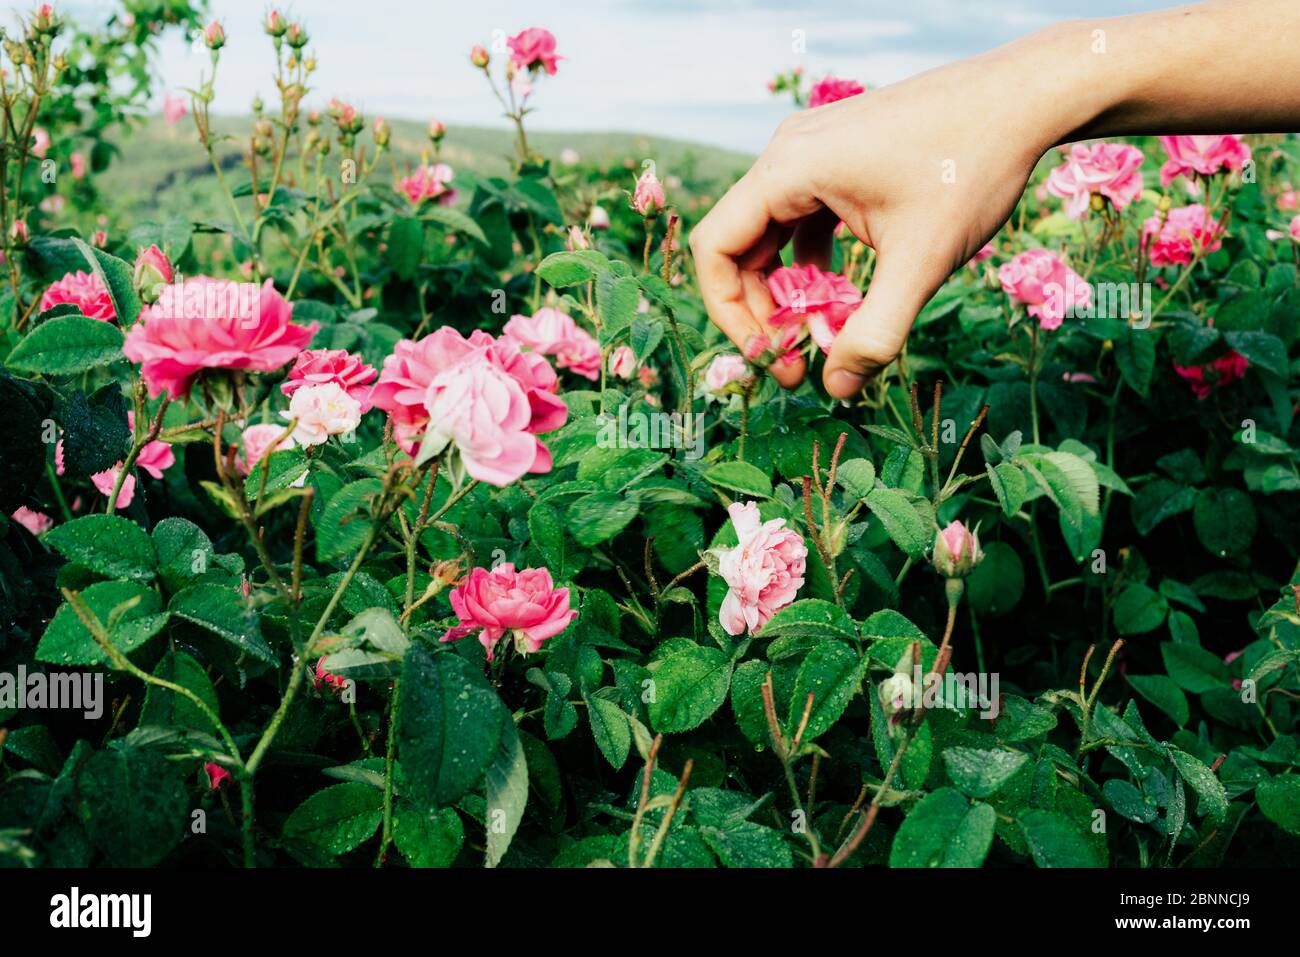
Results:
x,y
691,70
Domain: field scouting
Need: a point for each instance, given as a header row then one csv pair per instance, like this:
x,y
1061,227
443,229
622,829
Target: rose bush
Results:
x,y
1031,598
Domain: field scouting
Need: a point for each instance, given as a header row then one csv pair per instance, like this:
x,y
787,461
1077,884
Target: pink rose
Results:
x,y
257,441
86,291
1288,200
217,775
554,333
154,458
1295,229
207,323
525,603
1112,170
830,90
1047,287
622,362
1225,370
414,367
983,254
173,108
804,295
534,48
323,678
764,570
318,366
1202,154
429,181
38,523
319,411
40,142
648,197
723,370
78,164
1185,233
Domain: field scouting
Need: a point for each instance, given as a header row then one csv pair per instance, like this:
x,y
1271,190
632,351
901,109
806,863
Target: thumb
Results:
x,y
874,335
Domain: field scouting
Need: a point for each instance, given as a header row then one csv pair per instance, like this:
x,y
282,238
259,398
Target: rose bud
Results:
x,y
648,198
275,24
296,36
214,35
479,56
152,273
956,551
437,130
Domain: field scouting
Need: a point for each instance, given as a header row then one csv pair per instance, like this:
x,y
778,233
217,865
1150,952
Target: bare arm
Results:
x,y
927,170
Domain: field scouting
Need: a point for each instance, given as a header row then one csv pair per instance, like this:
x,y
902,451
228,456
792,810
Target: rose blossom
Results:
x,y
822,300
1288,199
1112,170
173,108
622,362
1225,370
429,181
598,218
38,523
319,411
1201,154
525,603
764,570
419,374
1295,229
40,142
321,677
78,163
154,458
86,291
210,324
1185,233
534,48
648,197
554,333
1047,287
217,775
723,370
318,366
831,89
983,254
257,441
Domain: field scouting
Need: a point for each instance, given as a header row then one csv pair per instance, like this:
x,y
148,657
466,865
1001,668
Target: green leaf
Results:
x,y
610,728
67,345
163,706
507,794
748,845
1057,841
740,477
1214,800
453,219
1225,520
1009,485
810,618
944,830
600,516
1193,668
338,819
979,773
133,805
688,687
998,582
130,612
572,267
450,725
431,839
546,528
1279,800
185,552
118,277
110,545
222,610
1139,609
1164,694
857,477
405,245
832,673
904,524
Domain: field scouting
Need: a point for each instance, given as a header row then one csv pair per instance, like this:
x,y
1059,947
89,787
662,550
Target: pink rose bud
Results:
x,y
217,775
1288,200
275,24
1295,229
45,20
214,35
577,239
622,362
648,198
152,272
437,130
382,131
99,239
18,231
598,218
722,371
323,678
296,36
40,142
479,56
956,551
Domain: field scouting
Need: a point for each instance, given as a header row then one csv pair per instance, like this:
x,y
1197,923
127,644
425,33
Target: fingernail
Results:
x,y
842,382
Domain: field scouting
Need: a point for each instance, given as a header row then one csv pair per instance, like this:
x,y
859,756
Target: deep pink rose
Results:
x,y
1202,154
318,366
534,48
206,323
804,295
831,89
429,181
217,775
1112,170
1186,231
323,678
524,604
764,570
554,333
86,291
1225,370
1047,287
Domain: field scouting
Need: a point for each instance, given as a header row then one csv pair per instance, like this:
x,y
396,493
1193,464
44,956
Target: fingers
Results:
x,y
874,335
731,246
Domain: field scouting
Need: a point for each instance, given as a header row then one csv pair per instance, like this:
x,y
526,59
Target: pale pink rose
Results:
x,y
257,441
429,181
648,197
1112,170
722,371
38,523
764,571
207,323
831,90
1225,370
154,458
1047,287
554,333
173,108
484,412
1288,200
622,362
86,291
524,604
319,411
408,374
78,164
1204,154
598,218
534,48
40,142
1186,231
804,295
53,204
318,366
984,254
569,156
1295,229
